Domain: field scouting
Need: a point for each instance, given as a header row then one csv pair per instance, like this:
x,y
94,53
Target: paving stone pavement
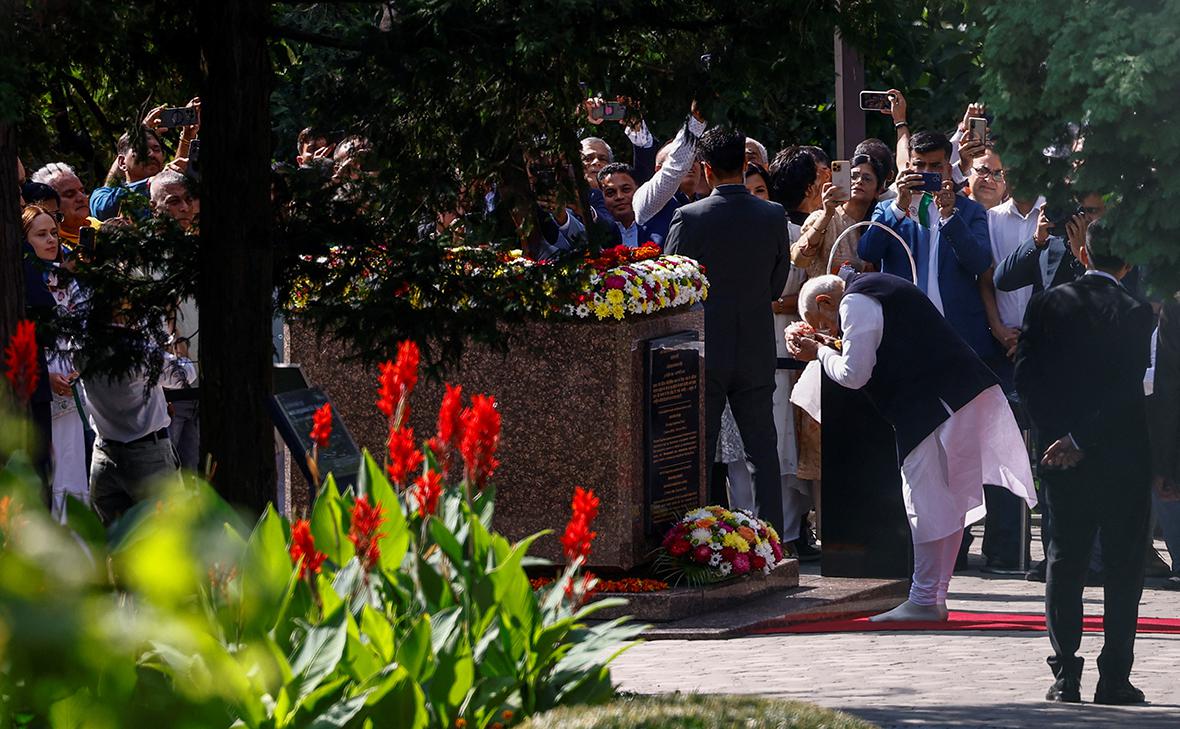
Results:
x,y
954,679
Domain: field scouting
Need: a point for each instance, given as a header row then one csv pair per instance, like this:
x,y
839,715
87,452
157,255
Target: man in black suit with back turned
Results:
x,y
1080,362
742,242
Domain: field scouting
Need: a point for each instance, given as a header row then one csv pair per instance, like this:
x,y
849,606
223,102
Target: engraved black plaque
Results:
x,y
673,435
293,412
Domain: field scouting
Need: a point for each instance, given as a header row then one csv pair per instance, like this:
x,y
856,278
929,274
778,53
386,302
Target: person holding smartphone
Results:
x,y
841,210
947,235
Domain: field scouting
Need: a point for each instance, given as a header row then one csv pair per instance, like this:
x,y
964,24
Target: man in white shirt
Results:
x,y
1011,221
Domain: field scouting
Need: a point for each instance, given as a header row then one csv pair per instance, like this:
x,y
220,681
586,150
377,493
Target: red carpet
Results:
x,y
957,621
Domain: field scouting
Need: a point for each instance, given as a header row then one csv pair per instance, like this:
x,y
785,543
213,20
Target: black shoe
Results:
x,y
805,551
1066,690
1156,566
1037,573
1001,567
1121,694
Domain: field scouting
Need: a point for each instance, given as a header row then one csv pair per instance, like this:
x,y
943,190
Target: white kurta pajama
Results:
x,y
943,476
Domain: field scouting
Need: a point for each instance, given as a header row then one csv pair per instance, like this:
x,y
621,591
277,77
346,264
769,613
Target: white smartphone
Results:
x,y
977,125
842,177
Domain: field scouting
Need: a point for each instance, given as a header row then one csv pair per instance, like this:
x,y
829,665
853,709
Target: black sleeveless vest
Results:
x,y
921,362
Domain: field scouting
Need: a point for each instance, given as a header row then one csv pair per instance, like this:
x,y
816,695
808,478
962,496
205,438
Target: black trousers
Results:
x,y
750,399
1110,496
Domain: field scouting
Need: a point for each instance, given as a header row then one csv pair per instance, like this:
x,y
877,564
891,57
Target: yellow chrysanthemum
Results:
x,y
734,540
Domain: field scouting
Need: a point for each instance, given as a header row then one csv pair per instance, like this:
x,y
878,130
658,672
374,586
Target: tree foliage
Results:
x,y
1085,92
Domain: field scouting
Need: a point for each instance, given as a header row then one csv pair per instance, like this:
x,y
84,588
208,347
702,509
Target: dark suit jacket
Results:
x,y
964,252
1022,267
742,242
1079,366
1164,403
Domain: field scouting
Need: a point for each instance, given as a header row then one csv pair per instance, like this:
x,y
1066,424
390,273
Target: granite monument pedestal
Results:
x,y
572,397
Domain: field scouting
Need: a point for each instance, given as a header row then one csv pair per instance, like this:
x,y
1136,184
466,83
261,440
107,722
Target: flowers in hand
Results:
x,y
20,361
303,548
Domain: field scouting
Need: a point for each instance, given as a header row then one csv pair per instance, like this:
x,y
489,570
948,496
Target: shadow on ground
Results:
x,y
1019,716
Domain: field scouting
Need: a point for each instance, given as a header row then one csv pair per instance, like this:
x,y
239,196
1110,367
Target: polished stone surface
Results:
x,y
571,399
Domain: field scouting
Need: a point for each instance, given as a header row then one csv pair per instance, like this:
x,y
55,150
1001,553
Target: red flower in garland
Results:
x,y
321,426
427,490
403,456
481,438
576,540
363,534
398,379
20,361
303,547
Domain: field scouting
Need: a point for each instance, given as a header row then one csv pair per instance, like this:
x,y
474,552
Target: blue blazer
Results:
x,y
964,254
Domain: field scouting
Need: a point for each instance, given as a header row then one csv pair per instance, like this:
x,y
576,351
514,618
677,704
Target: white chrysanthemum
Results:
x,y
700,536
696,514
725,568
716,546
715,560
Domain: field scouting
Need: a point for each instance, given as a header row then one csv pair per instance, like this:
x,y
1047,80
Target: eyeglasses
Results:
x,y
858,176
985,172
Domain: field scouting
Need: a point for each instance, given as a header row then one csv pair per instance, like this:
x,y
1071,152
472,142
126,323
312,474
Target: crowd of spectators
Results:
x,y
977,245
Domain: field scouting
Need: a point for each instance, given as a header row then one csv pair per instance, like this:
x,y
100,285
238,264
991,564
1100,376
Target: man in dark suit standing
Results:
x,y
1080,362
742,242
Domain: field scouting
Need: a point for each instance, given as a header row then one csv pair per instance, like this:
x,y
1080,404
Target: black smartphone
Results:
x,y
178,116
86,241
931,182
544,180
875,101
194,151
1059,215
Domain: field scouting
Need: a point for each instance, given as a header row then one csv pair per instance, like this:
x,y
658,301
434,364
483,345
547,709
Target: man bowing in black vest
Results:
x,y
954,428
1080,361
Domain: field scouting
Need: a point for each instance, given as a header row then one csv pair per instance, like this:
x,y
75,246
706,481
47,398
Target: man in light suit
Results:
x,y
948,236
742,242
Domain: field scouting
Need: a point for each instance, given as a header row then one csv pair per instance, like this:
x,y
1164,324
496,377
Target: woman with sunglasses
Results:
x,y
50,287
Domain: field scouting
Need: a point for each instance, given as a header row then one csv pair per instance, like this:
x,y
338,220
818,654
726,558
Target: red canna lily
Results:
x,y
577,537
481,438
403,456
366,520
450,415
20,361
321,428
303,547
427,490
397,381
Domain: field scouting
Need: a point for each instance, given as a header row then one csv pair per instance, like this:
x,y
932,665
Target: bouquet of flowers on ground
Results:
x,y
713,544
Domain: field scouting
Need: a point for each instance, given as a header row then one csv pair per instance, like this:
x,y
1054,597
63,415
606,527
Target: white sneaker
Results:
x,y
912,612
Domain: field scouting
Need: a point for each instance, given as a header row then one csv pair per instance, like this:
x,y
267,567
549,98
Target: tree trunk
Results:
x,y
12,279
235,285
